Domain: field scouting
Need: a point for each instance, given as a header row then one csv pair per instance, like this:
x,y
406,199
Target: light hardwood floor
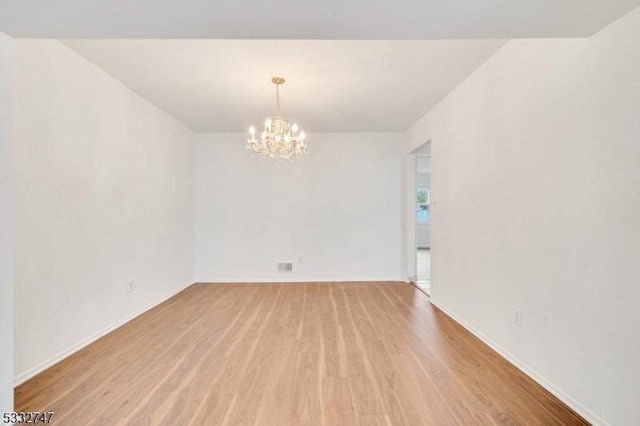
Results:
x,y
291,354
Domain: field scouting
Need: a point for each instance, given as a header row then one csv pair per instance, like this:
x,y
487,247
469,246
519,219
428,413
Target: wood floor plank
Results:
x,y
370,353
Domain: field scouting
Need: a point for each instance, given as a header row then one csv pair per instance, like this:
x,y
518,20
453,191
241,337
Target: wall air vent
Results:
x,y
285,266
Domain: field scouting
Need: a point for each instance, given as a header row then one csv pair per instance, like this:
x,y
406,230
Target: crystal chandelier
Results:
x,y
280,139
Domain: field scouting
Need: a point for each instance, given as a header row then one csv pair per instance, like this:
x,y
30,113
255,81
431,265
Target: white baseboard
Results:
x,y
38,368
272,280
544,382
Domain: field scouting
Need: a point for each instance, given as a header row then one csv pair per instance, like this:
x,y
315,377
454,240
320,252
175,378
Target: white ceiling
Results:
x,y
295,19
332,86
369,83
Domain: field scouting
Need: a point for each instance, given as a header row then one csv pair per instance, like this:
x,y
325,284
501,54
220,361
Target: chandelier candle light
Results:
x,y
280,139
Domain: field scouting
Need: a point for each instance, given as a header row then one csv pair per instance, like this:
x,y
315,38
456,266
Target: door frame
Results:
x,y
411,237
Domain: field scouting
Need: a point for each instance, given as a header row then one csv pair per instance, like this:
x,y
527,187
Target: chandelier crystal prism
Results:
x,y
280,140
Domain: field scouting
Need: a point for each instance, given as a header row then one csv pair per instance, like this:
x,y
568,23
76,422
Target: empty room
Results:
x,y
320,213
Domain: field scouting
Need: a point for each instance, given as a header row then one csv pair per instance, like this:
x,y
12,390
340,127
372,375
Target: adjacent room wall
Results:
x,y
6,250
340,210
537,159
423,230
103,195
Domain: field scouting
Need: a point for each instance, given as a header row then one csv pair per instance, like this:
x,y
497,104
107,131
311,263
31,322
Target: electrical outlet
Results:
x,y
130,286
516,315
299,259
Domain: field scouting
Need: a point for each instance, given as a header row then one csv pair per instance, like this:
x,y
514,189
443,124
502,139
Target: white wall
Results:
x,y
537,158
6,252
423,236
340,209
104,194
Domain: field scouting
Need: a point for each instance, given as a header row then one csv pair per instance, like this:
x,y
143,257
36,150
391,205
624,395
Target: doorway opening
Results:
x,y
423,217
